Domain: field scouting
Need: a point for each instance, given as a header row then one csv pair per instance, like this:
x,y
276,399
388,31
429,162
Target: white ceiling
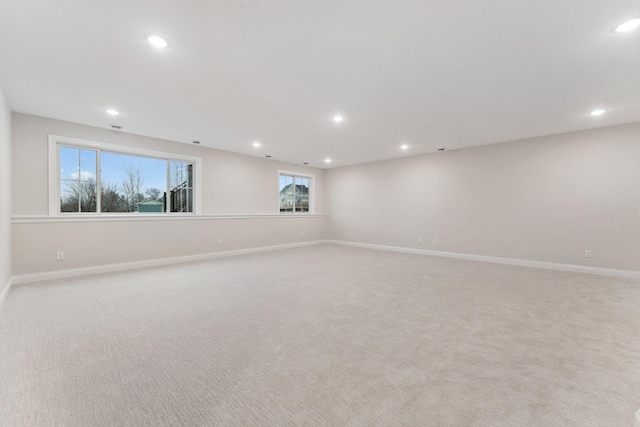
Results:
x,y
430,73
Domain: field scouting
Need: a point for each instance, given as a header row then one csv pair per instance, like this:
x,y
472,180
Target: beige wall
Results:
x,y
5,191
545,199
98,243
232,184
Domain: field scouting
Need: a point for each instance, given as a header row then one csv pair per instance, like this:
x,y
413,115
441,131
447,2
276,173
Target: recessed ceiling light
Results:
x,y
256,144
327,160
629,25
112,112
338,118
157,41
404,147
598,112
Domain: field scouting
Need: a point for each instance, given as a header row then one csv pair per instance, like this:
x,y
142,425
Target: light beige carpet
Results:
x,y
323,336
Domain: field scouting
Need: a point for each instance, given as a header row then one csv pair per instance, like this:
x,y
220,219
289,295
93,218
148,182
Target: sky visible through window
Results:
x,y
114,167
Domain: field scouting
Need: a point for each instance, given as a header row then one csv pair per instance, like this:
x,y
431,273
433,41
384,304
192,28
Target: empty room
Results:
x,y
320,213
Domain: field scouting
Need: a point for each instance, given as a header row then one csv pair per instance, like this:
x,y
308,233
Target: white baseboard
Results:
x,y
109,268
5,292
630,274
61,274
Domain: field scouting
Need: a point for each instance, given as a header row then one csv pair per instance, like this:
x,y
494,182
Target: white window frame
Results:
x,y
55,141
312,191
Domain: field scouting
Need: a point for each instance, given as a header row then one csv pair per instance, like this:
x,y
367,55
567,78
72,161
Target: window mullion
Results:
x,y
98,182
167,194
78,188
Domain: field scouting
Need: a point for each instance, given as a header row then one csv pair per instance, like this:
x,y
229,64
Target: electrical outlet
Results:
x,y
60,256
219,242
419,239
435,241
588,254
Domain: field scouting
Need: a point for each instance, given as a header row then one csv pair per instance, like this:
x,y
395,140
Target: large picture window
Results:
x,y
295,193
101,178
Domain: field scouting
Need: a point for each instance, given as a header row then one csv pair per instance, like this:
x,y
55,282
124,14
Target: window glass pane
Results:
x,y
87,178
302,194
132,183
180,186
287,191
88,160
69,200
78,180
69,165
69,162
88,196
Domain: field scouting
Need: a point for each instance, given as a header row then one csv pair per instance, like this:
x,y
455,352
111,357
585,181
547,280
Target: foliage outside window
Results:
x,y
93,180
294,193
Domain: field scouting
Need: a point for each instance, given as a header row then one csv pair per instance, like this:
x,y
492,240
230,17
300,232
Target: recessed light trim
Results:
x,y
629,25
112,112
338,118
598,112
157,41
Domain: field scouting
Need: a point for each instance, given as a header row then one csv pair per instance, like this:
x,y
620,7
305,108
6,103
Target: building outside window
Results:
x,y
295,193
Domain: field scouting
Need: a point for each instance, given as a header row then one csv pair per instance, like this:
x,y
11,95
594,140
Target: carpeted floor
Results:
x,y
323,336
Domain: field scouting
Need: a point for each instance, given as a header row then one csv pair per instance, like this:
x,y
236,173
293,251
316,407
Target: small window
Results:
x,y
102,178
295,193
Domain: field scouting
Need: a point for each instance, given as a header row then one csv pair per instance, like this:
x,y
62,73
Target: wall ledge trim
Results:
x,y
110,268
35,219
628,274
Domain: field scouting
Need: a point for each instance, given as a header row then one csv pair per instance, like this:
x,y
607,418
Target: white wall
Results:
x,y
5,191
545,199
233,184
